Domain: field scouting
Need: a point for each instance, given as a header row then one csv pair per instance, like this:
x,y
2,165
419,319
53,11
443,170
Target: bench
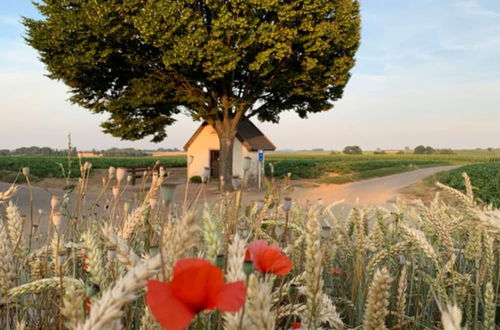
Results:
x,y
137,172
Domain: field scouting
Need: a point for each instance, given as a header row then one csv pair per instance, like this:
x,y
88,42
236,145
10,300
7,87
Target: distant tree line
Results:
x,y
37,151
422,150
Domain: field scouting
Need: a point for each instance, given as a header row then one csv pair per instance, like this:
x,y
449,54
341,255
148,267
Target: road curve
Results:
x,y
376,191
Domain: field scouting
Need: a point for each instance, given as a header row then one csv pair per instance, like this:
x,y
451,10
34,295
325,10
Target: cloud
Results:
x,y
471,7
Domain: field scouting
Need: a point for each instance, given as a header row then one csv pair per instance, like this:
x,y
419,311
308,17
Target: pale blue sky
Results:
x,y
428,72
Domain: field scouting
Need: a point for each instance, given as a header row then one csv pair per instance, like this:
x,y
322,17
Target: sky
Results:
x,y
427,72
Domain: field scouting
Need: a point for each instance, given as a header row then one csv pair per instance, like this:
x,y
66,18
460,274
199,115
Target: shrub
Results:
x,y
195,179
421,150
352,150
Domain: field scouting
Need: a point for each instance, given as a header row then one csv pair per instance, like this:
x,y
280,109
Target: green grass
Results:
x,y
485,179
46,167
348,168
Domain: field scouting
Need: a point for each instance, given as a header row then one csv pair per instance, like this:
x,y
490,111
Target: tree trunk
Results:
x,y
226,131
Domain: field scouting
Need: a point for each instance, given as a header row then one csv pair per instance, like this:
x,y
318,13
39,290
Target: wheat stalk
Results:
x,y
7,271
8,193
313,269
259,305
378,301
45,284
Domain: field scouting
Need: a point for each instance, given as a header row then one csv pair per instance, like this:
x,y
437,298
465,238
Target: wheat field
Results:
x,y
416,266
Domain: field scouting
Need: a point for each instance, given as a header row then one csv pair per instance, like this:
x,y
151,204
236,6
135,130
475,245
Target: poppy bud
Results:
x,y
167,191
248,267
287,204
111,172
54,201
293,291
116,191
92,290
219,261
57,220
121,173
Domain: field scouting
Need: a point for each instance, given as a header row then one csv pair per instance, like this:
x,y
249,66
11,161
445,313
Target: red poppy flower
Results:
x,y
196,285
337,272
268,258
85,265
87,305
296,325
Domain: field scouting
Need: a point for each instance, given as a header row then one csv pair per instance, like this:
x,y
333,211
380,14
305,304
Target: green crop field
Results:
x,y
340,168
485,179
325,166
44,167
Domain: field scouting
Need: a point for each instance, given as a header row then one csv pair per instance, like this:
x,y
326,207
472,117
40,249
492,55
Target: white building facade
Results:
x,y
204,149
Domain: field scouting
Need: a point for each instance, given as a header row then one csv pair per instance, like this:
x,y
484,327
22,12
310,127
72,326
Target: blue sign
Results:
x,y
261,155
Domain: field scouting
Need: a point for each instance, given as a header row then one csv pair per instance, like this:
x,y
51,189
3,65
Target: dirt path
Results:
x,y
377,191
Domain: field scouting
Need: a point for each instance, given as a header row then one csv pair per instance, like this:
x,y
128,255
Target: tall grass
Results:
x,y
374,269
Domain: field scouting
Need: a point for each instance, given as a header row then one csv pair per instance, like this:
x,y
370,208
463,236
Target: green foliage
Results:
x,y
421,150
44,167
485,179
352,150
350,169
196,179
145,61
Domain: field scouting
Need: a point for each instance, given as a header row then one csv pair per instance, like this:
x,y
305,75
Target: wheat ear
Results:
x,y
378,301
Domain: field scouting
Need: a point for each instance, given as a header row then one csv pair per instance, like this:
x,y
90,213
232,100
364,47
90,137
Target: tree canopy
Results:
x,y
144,61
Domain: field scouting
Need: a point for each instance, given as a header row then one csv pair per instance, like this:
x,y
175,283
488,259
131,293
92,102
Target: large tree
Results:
x,y
144,61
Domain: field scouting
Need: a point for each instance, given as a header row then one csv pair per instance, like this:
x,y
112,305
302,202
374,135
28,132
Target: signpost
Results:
x,y
261,165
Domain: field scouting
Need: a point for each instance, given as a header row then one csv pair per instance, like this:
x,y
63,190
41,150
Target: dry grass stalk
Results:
x,y
95,258
417,237
133,219
72,308
14,227
8,193
329,314
489,307
313,269
259,305
211,234
109,307
378,301
235,258
124,254
148,322
177,239
46,284
451,317
402,296
21,325
7,271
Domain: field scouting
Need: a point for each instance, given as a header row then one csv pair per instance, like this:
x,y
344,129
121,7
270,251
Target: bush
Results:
x,y
421,150
195,179
352,150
